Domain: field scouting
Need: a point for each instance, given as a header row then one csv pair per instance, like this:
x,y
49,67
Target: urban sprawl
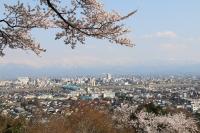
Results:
x,y
31,97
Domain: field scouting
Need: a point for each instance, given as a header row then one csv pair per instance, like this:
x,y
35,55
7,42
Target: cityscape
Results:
x,y
99,66
27,97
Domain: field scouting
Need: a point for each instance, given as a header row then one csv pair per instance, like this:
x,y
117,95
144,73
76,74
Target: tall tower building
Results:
x,y
92,81
108,76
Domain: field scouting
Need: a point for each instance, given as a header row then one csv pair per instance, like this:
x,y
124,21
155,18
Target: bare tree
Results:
x,y
75,22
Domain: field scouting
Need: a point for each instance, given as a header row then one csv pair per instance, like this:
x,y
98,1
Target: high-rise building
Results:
x,y
23,80
108,76
92,82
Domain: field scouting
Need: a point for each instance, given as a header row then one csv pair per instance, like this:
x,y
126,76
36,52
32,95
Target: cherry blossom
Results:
x,y
145,122
74,20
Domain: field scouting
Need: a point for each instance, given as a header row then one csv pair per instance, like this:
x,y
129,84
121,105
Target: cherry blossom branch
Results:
x,y
82,19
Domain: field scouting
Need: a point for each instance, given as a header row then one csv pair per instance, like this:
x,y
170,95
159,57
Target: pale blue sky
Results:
x,y
166,34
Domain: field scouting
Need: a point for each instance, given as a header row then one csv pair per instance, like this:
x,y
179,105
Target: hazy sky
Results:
x,y
166,34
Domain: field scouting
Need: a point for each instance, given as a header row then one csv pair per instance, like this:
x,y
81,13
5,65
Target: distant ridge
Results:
x,y
11,71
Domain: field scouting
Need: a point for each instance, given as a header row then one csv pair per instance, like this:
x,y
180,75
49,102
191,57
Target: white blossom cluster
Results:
x,y
75,20
122,116
171,123
16,26
145,122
